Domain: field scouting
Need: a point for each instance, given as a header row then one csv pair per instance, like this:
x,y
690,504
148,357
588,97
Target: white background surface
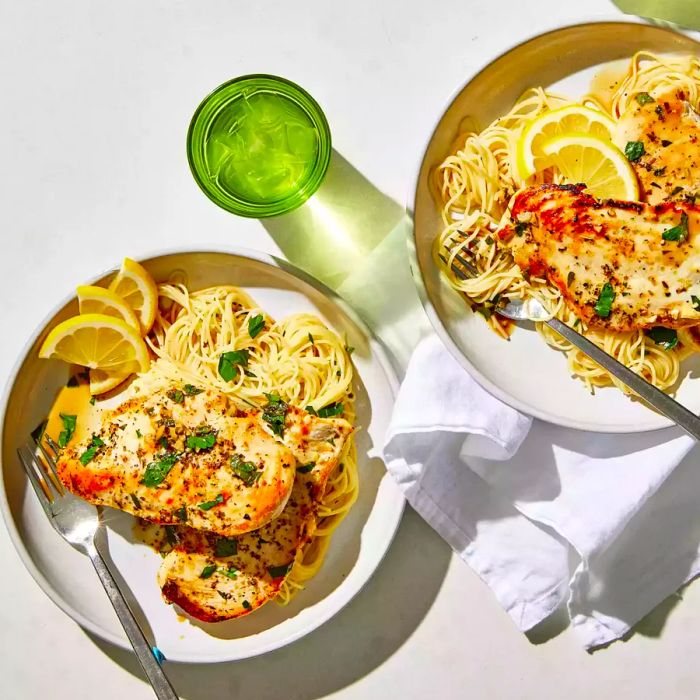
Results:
x,y
95,105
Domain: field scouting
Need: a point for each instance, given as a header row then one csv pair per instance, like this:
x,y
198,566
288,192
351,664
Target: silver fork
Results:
x,y
78,523
532,310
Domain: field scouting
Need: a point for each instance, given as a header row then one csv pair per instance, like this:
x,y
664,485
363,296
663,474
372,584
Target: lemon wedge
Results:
x,y
137,288
107,345
98,300
597,163
557,122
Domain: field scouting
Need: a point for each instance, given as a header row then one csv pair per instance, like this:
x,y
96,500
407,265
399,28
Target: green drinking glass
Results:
x,y
259,146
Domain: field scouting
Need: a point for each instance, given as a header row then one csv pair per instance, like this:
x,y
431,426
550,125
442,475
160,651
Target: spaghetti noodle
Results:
x,y
475,184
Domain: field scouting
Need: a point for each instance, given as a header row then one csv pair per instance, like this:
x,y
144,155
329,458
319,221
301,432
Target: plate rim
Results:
x,y
379,348
655,422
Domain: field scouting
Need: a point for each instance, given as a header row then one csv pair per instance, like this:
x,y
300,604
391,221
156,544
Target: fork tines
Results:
x,y
38,458
461,266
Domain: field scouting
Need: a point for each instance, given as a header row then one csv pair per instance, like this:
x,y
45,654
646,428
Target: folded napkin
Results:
x,y
608,524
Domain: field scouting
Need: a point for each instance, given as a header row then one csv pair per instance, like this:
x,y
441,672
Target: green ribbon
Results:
x,y
684,13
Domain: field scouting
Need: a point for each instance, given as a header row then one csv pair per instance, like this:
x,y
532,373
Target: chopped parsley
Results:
x,y
176,395
643,98
138,433
605,299
521,227
274,413
203,439
135,500
91,451
171,535
311,339
163,442
333,409
695,301
279,571
310,409
207,571
223,594
225,547
208,505
157,470
634,150
349,349
660,171
181,514
247,472
92,400
306,468
192,390
230,572
677,233
229,363
255,325
68,429
246,605
667,338
676,190
489,240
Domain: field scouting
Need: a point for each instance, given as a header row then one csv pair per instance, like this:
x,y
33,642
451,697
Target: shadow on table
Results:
x,y
350,646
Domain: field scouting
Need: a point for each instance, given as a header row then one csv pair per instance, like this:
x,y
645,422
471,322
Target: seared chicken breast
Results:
x,y
187,455
668,128
619,265
214,579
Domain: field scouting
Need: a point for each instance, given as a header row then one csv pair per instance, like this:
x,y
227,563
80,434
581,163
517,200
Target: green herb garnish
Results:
x,y
521,227
310,409
230,572
208,505
181,514
247,605
255,325
695,301
279,571
192,390
68,429
643,98
247,472
203,439
274,413
92,400
605,299
225,547
667,338
207,571
306,468
176,395
660,171
311,339
171,535
138,433
135,500
91,451
333,409
634,150
163,442
157,471
677,233
229,362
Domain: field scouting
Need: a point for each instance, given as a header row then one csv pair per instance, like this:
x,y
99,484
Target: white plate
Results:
x,y
525,372
357,547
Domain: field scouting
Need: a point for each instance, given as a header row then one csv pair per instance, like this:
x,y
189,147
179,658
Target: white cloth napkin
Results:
x,y
609,524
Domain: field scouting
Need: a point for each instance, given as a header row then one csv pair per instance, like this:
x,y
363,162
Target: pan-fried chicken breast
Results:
x,y
669,130
619,265
173,457
177,453
214,579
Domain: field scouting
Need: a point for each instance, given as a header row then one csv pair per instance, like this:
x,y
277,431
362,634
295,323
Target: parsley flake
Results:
x,y
68,429
157,470
176,395
91,451
207,571
677,233
229,363
225,547
208,505
634,150
306,468
255,325
643,98
667,338
274,413
203,439
605,299
695,301
192,390
247,472
333,409
279,571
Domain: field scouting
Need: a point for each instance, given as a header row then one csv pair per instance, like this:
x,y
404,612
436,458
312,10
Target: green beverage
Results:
x,y
259,146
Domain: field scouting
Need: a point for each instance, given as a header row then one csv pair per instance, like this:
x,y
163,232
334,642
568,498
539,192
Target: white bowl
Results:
x,y
525,372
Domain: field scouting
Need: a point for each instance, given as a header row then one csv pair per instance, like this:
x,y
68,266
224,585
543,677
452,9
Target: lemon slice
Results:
x,y
600,165
102,381
557,122
137,288
99,342
98,300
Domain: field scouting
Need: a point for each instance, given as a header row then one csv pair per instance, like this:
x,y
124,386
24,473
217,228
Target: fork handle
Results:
x,y
142,649
662,402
